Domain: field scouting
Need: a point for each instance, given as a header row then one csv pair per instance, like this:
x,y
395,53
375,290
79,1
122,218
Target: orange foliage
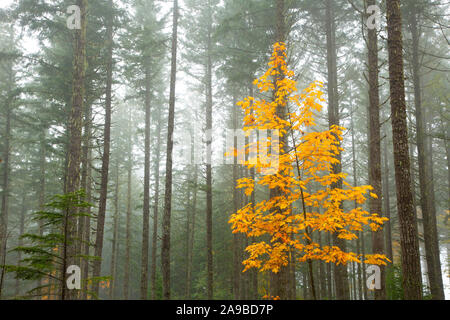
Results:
x,y
282,217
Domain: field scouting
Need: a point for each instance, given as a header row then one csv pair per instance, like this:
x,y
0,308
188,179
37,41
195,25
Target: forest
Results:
x,y
224,150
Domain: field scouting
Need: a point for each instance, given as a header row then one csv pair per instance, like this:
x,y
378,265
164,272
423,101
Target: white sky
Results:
x,y
5,3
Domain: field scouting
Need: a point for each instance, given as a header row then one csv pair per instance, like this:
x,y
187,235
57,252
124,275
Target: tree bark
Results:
x,y
387,203
190,244
146,204
209,105
42,180
126,277
116,221
330,276
74,147
375,204
5,193
355,183
425,175
236,237
412,278
106,154
340,272
84,223
279,284
21,232
254,273
156,206
165,247
322,274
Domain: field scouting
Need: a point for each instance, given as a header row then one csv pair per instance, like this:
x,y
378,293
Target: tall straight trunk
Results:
x,y
192,207
340,271
146,204
187,209
41,191
364,273
354,282
84,222
21,232
305,286
447,216
190,245
329,273
236,237
447,154
436,250
105,157
74,147
375,204
387,203
426,180
165,243
5,193
42,171
293,278
113,269
243,239
409,242
359,268
4,211
355,183
209,104
156,205
254,272
126,277
279,283
412,165
322,274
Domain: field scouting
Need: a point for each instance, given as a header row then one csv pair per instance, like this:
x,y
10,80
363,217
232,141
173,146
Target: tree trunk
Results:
x,y
156,206
193,178
305,286
21,232
116,222
190,244
165,247
126,277
425,179
375,204
355,183
106,153
279,286
236,237
41,191
254,273
209,104
412,278
84,227
322,274
329,273
74,147
146,204
340,272
5,193
387,204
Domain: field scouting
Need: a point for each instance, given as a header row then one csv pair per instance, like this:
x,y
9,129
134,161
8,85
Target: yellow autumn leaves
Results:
x,y
311,153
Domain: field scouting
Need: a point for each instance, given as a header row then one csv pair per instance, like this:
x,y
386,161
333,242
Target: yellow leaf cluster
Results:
x,y
304,179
